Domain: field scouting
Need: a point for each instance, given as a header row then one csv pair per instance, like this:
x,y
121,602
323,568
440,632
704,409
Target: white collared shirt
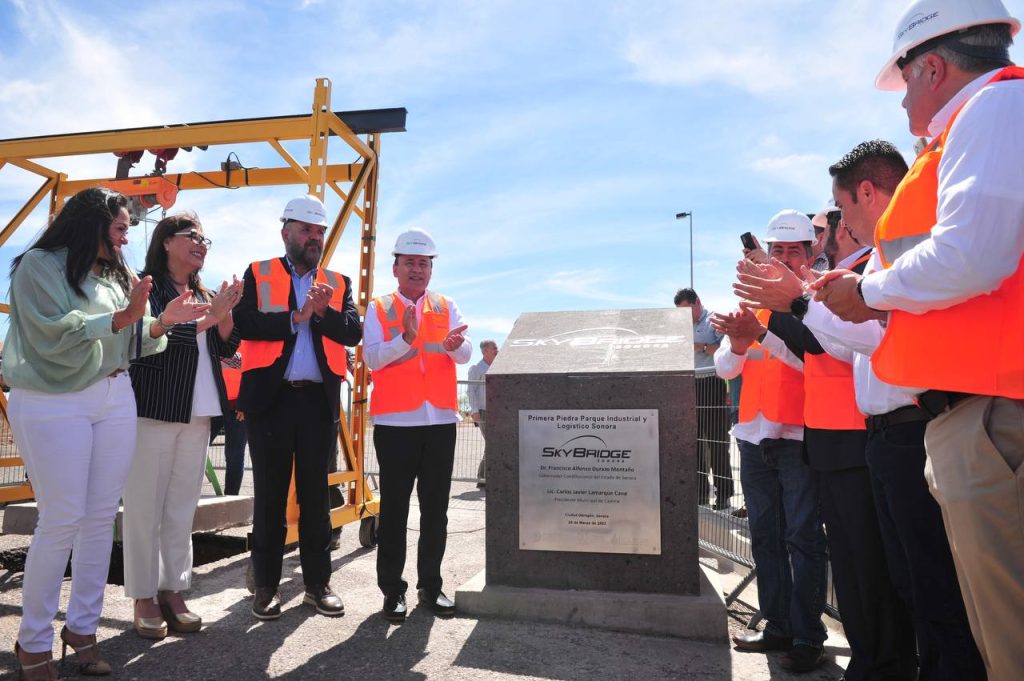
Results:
x,y
379,353
730,365
978,237
854,343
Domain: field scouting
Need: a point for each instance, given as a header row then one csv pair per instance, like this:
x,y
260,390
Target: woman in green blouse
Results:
x,y
78,315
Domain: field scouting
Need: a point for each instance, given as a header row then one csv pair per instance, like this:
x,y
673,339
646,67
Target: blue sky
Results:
x,y
549,144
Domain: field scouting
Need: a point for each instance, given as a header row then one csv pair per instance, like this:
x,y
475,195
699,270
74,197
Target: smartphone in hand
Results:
x,y
749,241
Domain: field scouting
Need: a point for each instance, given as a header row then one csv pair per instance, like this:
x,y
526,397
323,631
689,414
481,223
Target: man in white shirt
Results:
x,y
951,245
909,518
780,489
477,394
412,340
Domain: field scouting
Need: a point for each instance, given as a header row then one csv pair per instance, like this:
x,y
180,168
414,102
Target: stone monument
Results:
x,y
592,477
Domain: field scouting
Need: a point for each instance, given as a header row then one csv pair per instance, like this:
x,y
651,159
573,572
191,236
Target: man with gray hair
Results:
x,y
951,246
478,400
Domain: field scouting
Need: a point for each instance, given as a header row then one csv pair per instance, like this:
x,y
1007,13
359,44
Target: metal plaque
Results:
x,y
588,481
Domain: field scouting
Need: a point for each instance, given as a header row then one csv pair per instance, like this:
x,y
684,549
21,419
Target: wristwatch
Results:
x,y
798,308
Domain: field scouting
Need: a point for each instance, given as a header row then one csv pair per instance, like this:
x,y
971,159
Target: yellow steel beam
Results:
x,y
5,308
216,179
33,167
283,153
26,209
189,135
344,197
318,138
339,128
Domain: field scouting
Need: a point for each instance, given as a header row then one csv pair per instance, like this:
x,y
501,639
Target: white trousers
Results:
x,y
77,449
160,498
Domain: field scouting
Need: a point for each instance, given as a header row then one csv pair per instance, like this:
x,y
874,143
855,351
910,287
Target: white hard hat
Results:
x,y
414,242
820,219
927,19
789,225
306,208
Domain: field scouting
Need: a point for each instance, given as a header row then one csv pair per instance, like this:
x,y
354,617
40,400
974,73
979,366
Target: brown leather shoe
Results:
x,y
324,600
761,642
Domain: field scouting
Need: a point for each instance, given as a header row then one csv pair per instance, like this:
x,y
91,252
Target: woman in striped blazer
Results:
x,y
177,392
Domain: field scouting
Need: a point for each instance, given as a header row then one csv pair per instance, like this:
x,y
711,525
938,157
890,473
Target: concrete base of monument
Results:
x,y
700,617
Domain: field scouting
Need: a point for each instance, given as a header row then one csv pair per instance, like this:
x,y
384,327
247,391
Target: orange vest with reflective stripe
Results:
x,y
939,349
424,374
273,287
829,399
770,386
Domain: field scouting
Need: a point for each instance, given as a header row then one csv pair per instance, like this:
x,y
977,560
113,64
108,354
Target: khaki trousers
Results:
x,y
974,470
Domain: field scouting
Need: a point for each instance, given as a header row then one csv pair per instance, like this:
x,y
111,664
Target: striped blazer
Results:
x,y
164,383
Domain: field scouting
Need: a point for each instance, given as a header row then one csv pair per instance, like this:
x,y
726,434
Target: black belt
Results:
x,y
935,402
908,414
302,384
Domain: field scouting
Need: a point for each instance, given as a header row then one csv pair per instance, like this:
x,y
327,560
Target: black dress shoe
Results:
x,y
394,608
802,658
760,642
439,604
324,600
335,541
266,604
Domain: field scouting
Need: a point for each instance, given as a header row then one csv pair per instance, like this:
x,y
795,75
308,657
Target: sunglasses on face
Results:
x,y
196,238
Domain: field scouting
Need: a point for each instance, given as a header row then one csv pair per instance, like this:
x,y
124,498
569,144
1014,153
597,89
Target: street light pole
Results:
x,y
680,216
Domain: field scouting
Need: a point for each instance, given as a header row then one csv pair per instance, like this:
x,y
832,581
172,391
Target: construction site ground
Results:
x,y
303,645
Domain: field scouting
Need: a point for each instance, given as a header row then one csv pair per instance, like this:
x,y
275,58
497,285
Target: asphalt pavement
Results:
x,y
303,645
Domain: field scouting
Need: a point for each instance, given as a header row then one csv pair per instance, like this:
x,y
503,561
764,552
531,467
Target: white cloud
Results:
x,y
798,170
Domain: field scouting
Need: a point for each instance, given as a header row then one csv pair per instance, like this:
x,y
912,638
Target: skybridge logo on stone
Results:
x,y
585,447
602,337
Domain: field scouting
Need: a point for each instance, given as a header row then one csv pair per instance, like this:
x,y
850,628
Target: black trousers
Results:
x,y
424,456
876,620
299,429
713,431
919,556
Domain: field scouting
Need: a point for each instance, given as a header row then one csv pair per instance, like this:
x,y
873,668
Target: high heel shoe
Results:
x,y
154,628
97,666
184,623
35,671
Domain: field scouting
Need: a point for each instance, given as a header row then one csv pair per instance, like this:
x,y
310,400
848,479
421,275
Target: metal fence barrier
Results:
x,y
723,528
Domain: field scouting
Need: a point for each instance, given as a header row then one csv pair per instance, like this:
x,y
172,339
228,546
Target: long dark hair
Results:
x,y
81,226
156,256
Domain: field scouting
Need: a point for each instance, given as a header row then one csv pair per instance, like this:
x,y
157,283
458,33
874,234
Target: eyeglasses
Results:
x,y
196,238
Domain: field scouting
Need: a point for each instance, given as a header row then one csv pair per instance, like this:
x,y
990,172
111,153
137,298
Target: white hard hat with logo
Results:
x,y
414,242
927,19
306,208
789,225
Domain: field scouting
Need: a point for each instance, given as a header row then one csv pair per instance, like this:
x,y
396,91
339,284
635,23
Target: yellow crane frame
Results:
x,y
360,130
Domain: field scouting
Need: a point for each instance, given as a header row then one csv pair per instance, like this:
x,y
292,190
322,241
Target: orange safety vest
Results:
x,y
770,386
273,287
939,349
424,374
830,402
232,381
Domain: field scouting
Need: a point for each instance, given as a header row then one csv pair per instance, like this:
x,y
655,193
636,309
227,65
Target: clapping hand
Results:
x,y
772,286
226,299
455,338
183,309
137,300
410,327
320,296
